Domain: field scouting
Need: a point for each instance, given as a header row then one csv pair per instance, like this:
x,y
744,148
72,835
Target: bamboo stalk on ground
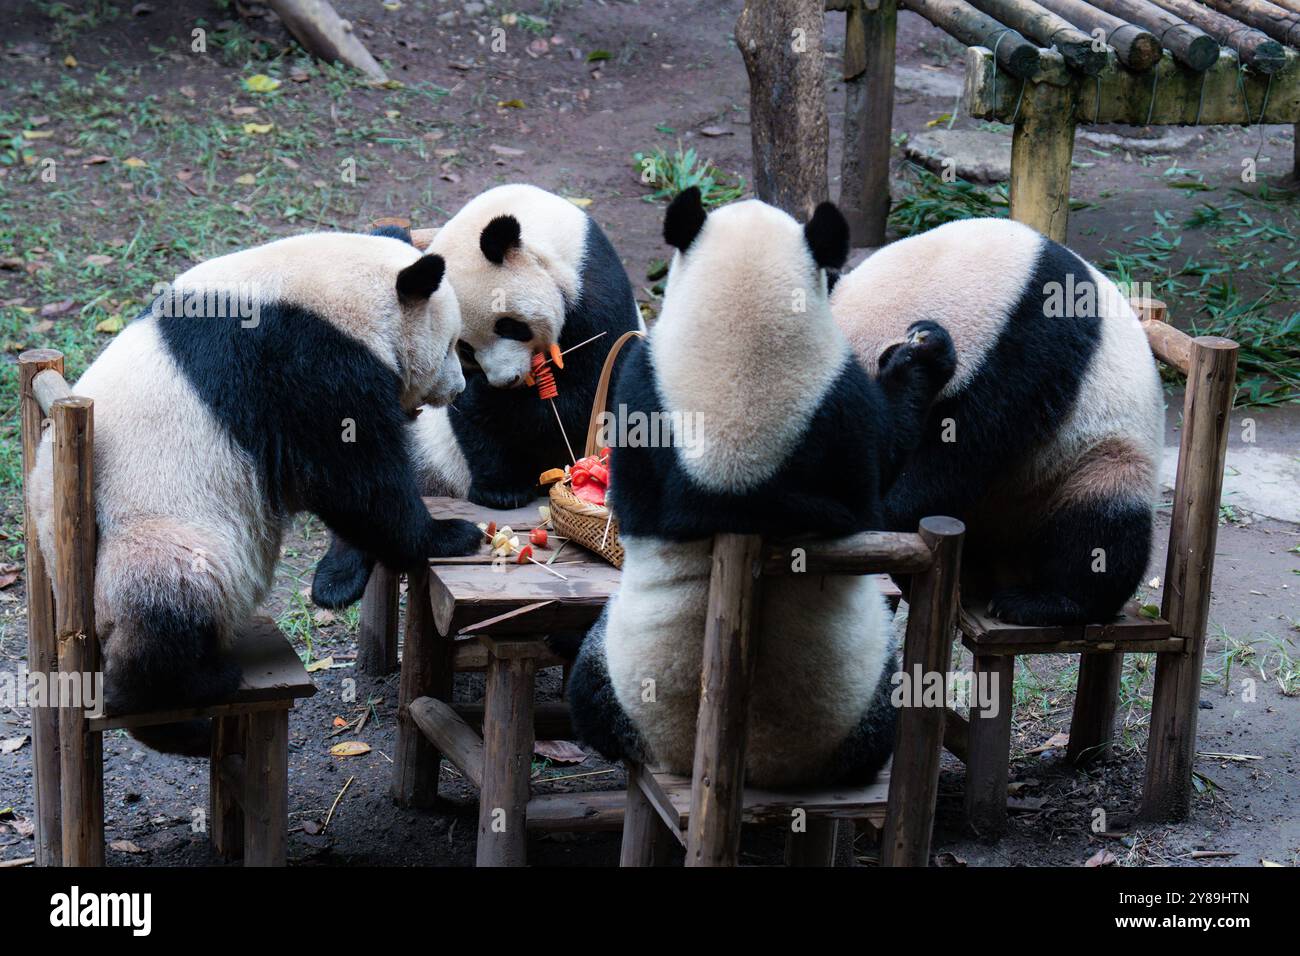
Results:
x,y
1278,22
1015,54
1189,45
1255,48
1137,49
1038,23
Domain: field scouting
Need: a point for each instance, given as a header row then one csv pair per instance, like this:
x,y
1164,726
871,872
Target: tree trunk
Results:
x,y
781,43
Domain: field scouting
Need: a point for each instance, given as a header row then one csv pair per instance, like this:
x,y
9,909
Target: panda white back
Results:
x,y
1054,417
745,341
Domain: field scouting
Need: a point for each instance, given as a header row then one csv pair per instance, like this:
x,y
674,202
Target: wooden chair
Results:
x,y
704,812
1177,637
250,752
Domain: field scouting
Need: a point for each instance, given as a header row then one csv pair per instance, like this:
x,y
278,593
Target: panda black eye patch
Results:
x,y
509,328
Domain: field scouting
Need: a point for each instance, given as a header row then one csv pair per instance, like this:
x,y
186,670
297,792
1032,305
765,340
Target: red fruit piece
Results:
x,y
525,553
538,537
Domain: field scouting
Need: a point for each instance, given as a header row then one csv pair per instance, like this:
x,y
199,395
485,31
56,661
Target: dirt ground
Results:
x,y
549,111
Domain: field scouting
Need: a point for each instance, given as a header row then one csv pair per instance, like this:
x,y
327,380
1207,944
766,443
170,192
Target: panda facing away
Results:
x,y
790,438
530,269
264,383
1047,440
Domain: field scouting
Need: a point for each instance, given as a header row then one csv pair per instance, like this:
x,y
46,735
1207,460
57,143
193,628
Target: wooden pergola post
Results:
x,y
870,28
377,634
1042,147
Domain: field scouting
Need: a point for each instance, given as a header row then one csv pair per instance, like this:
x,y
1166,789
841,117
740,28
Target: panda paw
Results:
x,y
455,537
501,500
927,348
1019,605
341,576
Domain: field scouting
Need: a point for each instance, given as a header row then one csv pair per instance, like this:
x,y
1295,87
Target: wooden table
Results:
x,y
473,613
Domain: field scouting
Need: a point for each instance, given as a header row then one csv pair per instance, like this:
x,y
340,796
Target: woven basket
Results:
x,y
590,525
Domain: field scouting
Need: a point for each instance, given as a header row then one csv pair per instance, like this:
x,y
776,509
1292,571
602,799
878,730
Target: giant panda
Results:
x,y
260,384
530,269
794,439
1047,440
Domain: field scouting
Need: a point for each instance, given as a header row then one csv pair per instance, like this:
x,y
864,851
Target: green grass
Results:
x,y
672,173
146,218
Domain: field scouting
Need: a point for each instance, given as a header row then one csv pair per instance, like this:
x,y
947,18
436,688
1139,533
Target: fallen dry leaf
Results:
x,y
97,259
96,160
716,131
324,664
501,150
58,308
1100,858
125,846
350,748
340,722
1055,742
8,579
559,751
12,744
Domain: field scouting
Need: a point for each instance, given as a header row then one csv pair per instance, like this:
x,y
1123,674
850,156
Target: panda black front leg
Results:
x,y
341,575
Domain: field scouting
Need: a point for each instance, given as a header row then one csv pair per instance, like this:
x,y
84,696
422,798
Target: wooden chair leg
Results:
x,y
815,846
1189,571
1092,728
988,752
507,761
225,787
426,672
918,741
377,636
266,788
646,840
81,750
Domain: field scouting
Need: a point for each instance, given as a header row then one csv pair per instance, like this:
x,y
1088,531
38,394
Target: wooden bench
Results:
x,y
1176,637
250,751
705,812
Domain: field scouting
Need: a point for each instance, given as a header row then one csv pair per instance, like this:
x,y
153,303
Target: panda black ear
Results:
x,y
420,279
684,219
827,234
499,237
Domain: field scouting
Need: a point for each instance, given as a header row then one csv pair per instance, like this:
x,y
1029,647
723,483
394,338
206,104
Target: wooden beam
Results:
x,y
1170,345
781,42
918,742
266,788
718,775
1015,54
1138,49
49,385
507,762
872,552
42,648
1189,572
1166,96
1189,45
1278,22
1256,49
1080,50
449,733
